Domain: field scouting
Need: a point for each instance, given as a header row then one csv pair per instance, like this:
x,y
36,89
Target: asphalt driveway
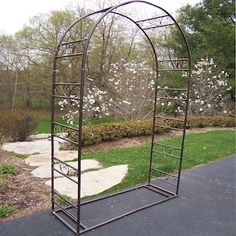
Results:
x,y
206,207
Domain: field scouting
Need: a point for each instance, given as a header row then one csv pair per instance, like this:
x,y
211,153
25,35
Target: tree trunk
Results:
x,y
15,90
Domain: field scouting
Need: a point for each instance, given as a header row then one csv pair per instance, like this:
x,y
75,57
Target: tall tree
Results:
x,y
15,62
210,29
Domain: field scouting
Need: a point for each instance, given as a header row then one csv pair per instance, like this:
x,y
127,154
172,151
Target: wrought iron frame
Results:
x,y
62,213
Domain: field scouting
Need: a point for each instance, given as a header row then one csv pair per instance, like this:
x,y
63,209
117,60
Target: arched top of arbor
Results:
x,y
162,19
72,71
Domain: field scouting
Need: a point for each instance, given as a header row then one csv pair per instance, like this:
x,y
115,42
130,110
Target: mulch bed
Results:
x,y
25,193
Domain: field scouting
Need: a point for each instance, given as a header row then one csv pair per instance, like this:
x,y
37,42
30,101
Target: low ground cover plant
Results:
x,y
5,210
8,169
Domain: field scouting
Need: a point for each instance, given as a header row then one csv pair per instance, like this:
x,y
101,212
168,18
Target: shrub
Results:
x,y
5,210
94,134
17,125
211,121
8,169
205,121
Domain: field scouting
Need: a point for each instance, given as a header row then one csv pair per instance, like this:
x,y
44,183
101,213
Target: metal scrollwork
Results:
x,y
64,169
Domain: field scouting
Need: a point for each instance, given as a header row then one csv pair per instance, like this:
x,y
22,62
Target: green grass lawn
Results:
x,y
44,125
199,149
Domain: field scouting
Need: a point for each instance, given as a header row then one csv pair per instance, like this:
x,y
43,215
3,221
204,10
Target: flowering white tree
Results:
x,y
208,94
131,89
93,103
129,94
171,106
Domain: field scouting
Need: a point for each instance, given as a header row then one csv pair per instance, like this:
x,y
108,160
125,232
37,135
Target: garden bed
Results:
x,y
22,192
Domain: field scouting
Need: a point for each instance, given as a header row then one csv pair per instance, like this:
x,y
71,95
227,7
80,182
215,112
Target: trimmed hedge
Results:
x,y
210,121
94,134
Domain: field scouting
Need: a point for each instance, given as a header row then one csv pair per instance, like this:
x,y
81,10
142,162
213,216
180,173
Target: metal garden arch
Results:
x,y
166,186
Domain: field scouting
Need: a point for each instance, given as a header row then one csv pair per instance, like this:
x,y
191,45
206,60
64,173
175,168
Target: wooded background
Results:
x,y
26,57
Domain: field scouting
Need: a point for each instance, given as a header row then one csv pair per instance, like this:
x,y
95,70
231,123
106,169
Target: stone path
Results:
x,y
39,143
93,182
44,158
37,146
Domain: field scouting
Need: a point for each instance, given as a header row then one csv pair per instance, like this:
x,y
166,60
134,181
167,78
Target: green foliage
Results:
x,y
199,149
172,79
94,134
5,210
17,125
210,32
8,169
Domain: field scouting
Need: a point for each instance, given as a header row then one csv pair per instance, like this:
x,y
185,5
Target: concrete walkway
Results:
x,y
205,207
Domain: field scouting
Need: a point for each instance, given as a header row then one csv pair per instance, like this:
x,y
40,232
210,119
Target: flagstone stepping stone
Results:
x,y
44,158
93,182
38,146
45,136
58,139
44,171
39,136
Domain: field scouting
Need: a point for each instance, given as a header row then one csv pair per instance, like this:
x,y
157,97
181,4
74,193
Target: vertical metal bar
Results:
x,y
52,154
185,120
85,48
52,128
153,124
